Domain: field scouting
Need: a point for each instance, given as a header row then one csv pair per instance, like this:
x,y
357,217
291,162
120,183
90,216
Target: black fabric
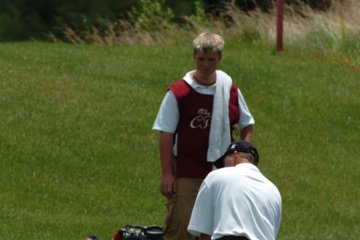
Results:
x,y
233,238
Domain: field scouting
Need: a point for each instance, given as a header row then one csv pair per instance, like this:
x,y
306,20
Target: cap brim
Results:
x,y
220,162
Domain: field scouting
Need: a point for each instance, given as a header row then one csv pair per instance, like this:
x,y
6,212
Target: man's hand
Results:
x,y
168,185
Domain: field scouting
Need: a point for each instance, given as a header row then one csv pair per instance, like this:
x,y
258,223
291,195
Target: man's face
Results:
x,y
206,62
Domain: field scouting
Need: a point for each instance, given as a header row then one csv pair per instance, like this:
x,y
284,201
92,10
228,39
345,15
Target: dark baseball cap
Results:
x,y
240,146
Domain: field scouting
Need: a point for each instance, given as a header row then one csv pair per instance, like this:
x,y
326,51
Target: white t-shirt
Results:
x,y
237,201
168,115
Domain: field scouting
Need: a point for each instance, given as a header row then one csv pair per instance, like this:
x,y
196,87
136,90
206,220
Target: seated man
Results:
x,y
237,201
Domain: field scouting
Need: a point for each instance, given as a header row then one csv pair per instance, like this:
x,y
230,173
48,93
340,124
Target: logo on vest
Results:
x,y
202,120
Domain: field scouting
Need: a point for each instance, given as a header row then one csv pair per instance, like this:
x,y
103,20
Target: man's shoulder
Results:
x,y
219,173
180,88
179,83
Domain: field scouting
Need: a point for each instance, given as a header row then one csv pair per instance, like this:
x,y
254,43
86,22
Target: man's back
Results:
x,y
244,201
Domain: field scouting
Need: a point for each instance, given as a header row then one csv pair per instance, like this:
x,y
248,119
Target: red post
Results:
x,y
279,25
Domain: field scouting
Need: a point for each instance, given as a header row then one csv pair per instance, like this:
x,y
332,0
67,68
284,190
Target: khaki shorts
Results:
x,y
179,209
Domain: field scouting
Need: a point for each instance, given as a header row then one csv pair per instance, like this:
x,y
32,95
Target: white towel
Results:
x,y
220,138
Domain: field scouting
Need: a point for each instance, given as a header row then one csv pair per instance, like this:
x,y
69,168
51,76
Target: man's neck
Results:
x,y
205,81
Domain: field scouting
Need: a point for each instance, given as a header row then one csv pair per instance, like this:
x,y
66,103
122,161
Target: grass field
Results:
x,y
78,155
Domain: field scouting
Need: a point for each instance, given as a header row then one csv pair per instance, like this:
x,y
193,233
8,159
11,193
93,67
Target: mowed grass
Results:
x,y
78,155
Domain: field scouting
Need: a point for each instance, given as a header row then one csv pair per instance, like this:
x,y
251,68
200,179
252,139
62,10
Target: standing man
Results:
x,y
196,120
237,202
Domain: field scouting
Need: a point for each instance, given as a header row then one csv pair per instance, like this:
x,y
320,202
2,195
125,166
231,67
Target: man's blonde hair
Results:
x,y
208,41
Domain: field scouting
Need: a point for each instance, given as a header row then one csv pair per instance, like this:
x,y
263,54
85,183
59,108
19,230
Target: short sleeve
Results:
x,y
168,115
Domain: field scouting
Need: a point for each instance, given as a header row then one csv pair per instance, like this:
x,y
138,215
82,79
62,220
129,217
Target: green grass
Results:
x,y
78,155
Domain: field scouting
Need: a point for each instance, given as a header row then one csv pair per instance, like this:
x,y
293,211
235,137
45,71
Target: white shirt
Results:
x,y
237,201
168,116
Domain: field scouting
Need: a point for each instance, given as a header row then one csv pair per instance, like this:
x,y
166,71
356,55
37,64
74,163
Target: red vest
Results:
x,y
193,129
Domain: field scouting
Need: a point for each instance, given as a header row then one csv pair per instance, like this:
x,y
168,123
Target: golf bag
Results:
x,y
130,232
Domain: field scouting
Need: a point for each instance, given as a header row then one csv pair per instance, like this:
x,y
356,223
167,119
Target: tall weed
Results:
x,y
152,16
152,22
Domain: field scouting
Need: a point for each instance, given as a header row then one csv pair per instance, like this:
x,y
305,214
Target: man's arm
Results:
x,y
246,121
205,237
166,144
246,133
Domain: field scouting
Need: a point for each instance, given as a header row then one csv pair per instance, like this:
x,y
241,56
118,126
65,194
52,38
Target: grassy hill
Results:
x,y
78,155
